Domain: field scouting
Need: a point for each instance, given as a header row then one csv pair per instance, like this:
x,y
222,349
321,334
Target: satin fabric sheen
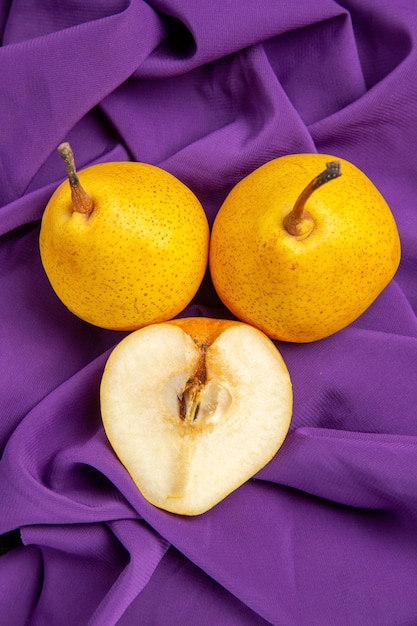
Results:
x,y
325,534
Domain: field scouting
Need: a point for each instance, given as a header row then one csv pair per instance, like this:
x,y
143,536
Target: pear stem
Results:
x,y
295,221
81,201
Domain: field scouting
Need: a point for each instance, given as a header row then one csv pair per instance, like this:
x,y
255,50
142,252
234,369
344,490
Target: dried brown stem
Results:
x,y
294,222
81,201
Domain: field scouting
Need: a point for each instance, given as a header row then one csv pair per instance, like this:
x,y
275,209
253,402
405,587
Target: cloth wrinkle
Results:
x,y
324,534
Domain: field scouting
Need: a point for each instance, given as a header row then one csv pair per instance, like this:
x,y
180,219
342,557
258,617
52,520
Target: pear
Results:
x,y
302,246
123,244
193,408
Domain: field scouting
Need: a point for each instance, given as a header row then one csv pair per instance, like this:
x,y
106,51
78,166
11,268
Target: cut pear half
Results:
x,y
193,408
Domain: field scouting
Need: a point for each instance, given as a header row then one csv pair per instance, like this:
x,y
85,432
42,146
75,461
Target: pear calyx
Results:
x,y
81,201
299,223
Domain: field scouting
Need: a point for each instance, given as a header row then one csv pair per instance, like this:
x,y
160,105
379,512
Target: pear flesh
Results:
x,y
192,418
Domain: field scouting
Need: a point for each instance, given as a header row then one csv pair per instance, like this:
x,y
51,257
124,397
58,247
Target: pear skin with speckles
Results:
x,y
302,288
138,258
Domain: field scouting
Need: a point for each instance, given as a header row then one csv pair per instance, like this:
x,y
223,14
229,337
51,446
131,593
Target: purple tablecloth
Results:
x,y
326,534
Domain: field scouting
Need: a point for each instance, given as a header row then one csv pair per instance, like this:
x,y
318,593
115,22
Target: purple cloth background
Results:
x,y
325,535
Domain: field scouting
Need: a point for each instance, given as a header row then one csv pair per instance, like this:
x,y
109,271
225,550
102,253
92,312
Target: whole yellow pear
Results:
x,y
302,246
124,244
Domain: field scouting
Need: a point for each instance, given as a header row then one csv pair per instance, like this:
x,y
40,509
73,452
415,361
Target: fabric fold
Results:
x,y
58,78
325,533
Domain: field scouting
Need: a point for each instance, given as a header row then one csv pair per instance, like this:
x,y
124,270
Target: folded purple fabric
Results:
x,y
324,535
